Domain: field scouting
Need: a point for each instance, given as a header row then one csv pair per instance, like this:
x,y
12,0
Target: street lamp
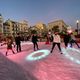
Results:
x,y
77,25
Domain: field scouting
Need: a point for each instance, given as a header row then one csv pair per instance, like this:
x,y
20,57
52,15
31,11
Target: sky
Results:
x,y
44,11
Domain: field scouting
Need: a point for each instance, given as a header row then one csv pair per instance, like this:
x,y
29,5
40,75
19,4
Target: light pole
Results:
x,y
77,26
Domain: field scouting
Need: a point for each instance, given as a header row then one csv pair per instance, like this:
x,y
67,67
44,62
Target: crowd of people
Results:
x,y
51,38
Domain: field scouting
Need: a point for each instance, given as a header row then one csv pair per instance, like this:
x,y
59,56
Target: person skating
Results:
x,y
18,42
56,41
73,40
34,41
66,39
9,43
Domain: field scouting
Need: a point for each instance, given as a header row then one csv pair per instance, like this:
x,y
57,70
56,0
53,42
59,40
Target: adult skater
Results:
x,y
56,41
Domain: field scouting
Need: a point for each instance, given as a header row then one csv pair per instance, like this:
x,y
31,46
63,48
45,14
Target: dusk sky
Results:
x,y
41,10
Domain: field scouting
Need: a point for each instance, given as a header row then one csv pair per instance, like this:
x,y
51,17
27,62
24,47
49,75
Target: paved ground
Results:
x,y
55,66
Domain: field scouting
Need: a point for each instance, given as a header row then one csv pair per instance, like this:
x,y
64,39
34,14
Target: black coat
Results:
x,y
34,39
18,40
67,38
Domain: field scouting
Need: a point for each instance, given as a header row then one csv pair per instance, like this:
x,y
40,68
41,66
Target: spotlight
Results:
x,y
31,57
65,51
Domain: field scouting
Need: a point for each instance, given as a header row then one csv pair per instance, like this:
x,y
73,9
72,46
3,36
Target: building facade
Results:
x,y
23,25
12,27
60,24
1,24
1,27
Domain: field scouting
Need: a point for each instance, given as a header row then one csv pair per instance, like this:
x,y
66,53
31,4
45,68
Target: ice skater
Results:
x,y
56,41
18,42
34,41
9,43
66,39
73,40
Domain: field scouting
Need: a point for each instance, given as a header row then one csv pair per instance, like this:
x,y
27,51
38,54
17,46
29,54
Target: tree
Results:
x,y
33,31
55,28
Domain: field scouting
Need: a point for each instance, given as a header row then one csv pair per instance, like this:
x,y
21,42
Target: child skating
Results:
x,y
9,43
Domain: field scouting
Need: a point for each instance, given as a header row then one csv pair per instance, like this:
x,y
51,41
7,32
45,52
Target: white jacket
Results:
x,y
56,38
